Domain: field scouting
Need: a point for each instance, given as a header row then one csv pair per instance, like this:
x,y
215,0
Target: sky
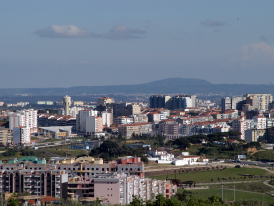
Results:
x,y
69,43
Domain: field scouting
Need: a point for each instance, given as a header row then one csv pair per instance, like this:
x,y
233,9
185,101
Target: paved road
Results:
x,y
266,183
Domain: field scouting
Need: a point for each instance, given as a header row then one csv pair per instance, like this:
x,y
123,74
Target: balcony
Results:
x,y
27,175
27,180
27,186
57,186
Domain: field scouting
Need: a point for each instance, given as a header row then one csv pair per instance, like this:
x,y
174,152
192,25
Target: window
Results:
x,y
92,168
68,168
97,168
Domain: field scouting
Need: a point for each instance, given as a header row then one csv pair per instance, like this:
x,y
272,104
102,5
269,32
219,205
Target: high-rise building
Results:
x,y
81,119
67,104
5,136
24,118
160,101
181,102
105,101
232,103
21,135
259,101
94,125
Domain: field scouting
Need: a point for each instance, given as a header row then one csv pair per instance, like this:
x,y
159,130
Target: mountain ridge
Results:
x,y
163,86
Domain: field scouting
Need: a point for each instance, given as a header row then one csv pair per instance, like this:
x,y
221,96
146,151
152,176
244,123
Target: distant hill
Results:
x,y
164,86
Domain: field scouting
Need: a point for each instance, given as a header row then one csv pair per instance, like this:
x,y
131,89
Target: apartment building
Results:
x,y
121,120
128,129
139,118
241,125
25,118
259,101
6,136
228,103
118,188
94,125
107,118
81,119
105,101
38,180
21,135
260,122
255,135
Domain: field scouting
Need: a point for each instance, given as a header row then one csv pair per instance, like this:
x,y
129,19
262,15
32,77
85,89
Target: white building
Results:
x,y
24,118
107,118
81,119
21,135
93,125
123,120
189,160
160,156
72,111
260,122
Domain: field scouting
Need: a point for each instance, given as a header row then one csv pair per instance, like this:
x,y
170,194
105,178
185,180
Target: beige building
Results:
x,y
78,103
254,135
259,101
104,101
5,136
89,159
128,130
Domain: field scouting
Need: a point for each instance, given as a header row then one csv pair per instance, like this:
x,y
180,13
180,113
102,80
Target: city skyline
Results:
x,y
88,43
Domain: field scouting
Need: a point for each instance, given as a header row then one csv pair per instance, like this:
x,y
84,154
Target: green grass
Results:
x,y
34,138
65,151
206,176
52,140
228,195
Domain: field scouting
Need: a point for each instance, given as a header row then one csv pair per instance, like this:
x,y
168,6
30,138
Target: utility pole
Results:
x,y
234,193
259,157
222,191
214,153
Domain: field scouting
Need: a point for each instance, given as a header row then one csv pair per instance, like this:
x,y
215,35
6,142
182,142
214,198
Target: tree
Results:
x,y
182,143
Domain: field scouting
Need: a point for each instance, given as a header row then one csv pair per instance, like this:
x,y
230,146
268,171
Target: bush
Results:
x,y
237,166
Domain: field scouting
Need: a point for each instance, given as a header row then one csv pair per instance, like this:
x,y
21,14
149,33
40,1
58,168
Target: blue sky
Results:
x,y
86,43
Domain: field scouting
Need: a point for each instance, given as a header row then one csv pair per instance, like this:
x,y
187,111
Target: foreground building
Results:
x,y
119,188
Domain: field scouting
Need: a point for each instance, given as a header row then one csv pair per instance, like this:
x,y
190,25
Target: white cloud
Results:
x,y
212,23
70,31
65,31
121,32
257,54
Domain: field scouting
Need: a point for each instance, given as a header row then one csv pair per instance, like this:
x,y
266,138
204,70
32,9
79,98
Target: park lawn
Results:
x,y
228,195
65,151
257,186
215,175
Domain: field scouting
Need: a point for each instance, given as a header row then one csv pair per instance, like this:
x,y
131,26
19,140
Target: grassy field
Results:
x,y
251,186
65,151
228,195
230,174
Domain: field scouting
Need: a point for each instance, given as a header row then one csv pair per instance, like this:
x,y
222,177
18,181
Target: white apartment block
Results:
x,y
260,122
21,135
122,120
93,125
143,188
107,118
24,118
81,119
